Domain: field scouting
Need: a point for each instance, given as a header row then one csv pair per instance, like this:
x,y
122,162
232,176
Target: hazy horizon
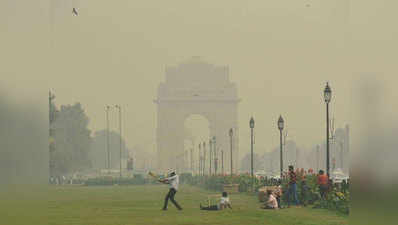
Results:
x,y
119,52
280,54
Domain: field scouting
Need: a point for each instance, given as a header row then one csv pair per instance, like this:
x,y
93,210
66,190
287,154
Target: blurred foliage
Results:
x,y
70,145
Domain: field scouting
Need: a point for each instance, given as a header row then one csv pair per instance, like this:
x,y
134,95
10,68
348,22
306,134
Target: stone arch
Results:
x,y
195,87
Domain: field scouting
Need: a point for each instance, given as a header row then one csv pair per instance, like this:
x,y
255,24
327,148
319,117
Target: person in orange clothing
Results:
x,y
323,182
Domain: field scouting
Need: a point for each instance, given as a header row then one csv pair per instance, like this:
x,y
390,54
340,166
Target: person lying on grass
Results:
x,y
272,203
224,203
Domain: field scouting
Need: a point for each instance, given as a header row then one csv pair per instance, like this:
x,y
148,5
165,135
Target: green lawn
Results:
x,y
142,205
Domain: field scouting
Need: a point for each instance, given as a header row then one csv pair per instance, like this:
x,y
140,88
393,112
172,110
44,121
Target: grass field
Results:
x,y
142,205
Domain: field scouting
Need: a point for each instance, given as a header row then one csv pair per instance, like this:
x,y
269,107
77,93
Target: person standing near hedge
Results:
x,y
173,181
292,191
323,182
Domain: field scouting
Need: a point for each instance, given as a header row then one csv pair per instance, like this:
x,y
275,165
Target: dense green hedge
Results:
x,y
336,200
217,182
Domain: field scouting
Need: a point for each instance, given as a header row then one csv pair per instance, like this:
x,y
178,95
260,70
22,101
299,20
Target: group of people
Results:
x,y
274,196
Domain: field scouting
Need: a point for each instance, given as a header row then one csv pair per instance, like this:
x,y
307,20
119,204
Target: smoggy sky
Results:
x,y
280,55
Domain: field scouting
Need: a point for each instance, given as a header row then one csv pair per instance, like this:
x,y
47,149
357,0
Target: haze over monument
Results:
x,y
195,87
279,54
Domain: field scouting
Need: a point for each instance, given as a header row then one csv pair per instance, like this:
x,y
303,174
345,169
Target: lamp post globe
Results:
x,y
251,123
281,123
327,93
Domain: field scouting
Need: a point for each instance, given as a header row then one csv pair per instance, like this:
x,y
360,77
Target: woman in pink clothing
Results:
x,y
272,203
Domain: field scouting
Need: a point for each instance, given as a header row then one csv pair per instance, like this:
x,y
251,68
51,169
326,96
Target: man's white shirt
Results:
x,y
224,200
173,181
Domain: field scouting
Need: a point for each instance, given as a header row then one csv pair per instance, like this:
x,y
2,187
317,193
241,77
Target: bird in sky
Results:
x,y
74,11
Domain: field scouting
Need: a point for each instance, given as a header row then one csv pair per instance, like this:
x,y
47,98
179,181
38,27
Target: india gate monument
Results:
x,y
196,87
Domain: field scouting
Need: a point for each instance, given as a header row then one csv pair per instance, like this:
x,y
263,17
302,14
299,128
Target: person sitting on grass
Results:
x,y
224,203
272,203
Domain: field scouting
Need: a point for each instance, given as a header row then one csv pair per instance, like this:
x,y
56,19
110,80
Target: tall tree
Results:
x,y
72,140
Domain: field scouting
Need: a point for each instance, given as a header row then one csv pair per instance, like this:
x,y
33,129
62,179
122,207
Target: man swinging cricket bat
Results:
x,y
173,181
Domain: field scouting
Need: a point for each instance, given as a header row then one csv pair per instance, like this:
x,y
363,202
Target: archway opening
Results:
x,y
197,132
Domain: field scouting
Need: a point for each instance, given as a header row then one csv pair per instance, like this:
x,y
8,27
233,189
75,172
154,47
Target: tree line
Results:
x,y
73,147
69,139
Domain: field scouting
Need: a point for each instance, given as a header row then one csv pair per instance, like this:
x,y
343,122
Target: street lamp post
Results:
x,y
215,155
222,162
200,160
192,160
204,157
185,166
280,127
327,97
317,158
107,138
231,132
120,144
341,155
251,124
210,155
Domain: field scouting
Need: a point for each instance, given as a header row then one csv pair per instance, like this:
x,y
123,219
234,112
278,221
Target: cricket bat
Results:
x,y
155,176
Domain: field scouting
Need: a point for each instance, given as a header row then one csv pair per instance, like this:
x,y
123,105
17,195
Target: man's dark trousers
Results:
x,y
170,196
